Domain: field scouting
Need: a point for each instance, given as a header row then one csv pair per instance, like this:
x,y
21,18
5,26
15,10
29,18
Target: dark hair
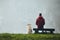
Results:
x,y
40,14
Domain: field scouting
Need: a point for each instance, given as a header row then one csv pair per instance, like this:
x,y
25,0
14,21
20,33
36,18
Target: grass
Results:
x,y
7,36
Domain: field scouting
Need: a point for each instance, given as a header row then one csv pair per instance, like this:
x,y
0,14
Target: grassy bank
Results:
x,y
7,36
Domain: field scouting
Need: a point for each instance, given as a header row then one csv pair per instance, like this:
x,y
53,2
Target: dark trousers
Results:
x,y
40,26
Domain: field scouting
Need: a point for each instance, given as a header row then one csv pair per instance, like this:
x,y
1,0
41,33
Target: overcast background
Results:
x,y
16,14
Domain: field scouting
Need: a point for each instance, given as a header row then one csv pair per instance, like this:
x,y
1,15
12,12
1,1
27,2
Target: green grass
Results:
x,y
7,36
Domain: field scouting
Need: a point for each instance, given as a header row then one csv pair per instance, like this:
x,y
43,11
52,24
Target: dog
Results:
x,y
29,29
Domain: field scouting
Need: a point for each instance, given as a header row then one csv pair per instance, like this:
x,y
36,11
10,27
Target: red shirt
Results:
x,y
40,21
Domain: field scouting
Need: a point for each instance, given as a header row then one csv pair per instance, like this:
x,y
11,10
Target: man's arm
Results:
x,y
37,22
43,21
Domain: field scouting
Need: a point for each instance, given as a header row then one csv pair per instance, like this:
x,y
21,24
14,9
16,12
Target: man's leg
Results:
x,y
42,29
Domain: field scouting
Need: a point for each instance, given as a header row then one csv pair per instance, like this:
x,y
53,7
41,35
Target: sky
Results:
x,y
16,14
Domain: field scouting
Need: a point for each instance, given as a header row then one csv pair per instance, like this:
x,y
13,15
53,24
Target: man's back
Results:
x,y
40,21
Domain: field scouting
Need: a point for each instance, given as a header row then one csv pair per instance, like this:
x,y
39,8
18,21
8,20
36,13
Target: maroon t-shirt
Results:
x,y
40,21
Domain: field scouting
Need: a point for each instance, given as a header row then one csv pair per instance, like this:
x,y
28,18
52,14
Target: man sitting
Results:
x,y
40,22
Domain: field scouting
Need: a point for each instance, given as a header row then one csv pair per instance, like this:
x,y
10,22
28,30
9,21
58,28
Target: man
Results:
x,y
40,22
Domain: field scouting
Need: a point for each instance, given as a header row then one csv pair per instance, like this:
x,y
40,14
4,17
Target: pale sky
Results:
x,y
16,14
